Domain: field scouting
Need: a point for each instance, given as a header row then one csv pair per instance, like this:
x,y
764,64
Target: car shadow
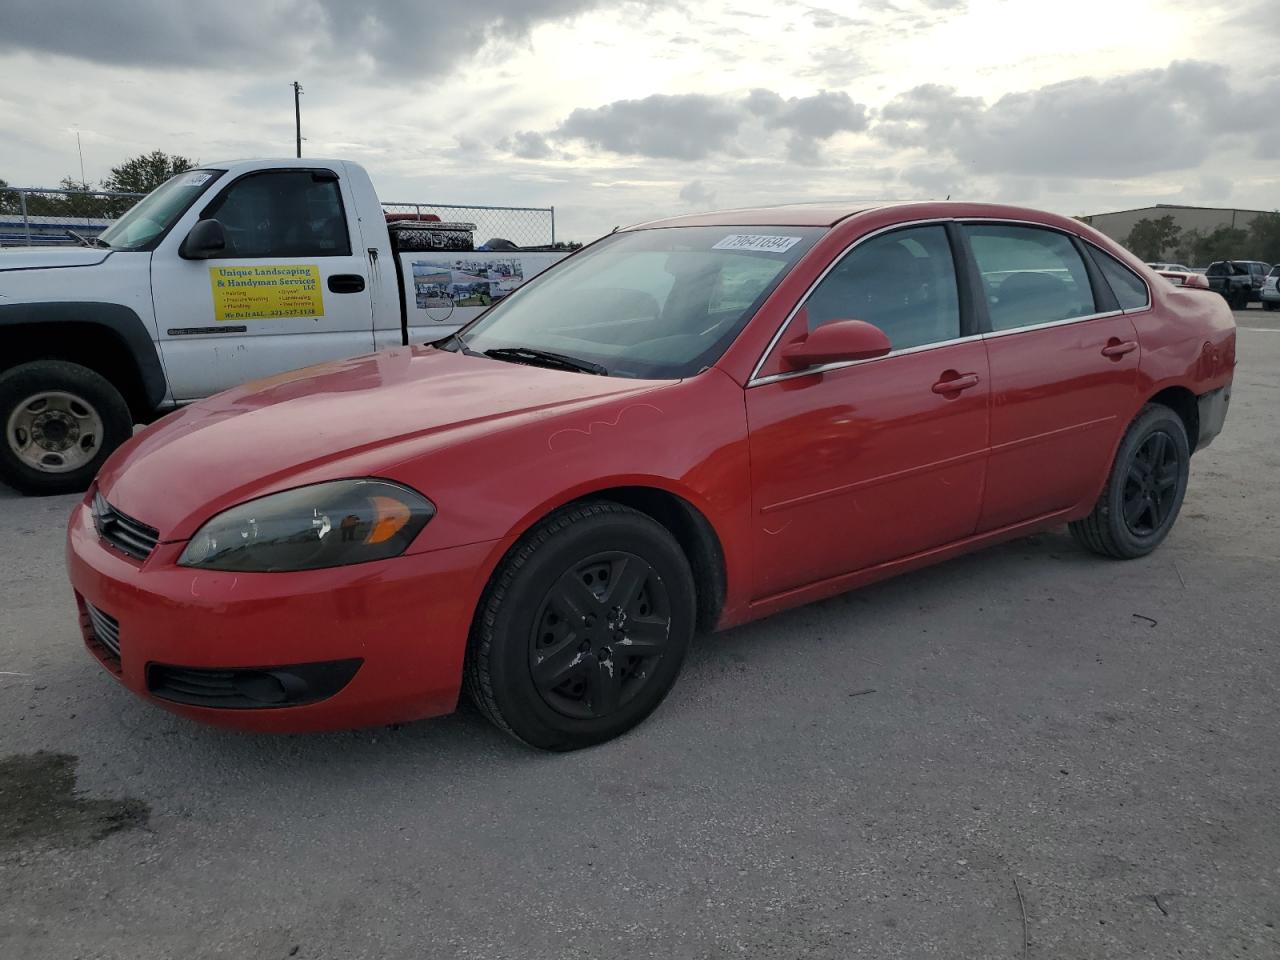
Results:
x,y
465,745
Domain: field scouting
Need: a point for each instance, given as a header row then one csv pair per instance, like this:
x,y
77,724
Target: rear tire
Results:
x,y
1144,490
60,421
583,627
1240,300
1269,305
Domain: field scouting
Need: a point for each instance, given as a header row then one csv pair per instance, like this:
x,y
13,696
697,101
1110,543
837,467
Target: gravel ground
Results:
x,y
905,771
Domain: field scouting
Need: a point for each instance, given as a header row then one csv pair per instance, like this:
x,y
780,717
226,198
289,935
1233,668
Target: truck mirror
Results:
x,y
206,240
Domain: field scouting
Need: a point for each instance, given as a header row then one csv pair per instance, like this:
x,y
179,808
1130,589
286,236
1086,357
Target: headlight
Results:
x,y
323,525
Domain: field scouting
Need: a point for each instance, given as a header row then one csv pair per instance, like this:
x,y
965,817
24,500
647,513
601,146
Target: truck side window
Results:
x,y
282,213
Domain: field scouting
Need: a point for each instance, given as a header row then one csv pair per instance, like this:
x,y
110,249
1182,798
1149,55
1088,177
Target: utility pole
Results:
x,y
297,114
80,151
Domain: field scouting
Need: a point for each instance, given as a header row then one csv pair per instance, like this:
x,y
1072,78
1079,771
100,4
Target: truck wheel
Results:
x,y
60,422
1144,490
1240,300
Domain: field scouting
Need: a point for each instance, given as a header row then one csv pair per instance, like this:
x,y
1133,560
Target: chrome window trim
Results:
x,y
755,380
827,367
773,342
1053,323
1048,226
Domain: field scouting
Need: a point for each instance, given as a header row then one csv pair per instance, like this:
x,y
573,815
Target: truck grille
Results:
x,y
106,628
129,536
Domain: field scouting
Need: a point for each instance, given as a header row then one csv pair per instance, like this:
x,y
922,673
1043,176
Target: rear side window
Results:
x,y
1030,276
1130,291
283,213
903,282
1275,271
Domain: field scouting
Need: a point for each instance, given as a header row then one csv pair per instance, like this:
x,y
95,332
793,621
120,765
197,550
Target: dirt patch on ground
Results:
x,y
39,804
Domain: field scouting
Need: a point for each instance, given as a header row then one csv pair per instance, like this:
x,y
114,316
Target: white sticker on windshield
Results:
x,y
762,242
196,179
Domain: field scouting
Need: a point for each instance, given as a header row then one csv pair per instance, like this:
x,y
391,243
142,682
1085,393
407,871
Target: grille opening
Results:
x,y
131,537
102,633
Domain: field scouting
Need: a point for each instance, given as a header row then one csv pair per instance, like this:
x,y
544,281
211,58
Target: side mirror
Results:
x,y
206,240
837,342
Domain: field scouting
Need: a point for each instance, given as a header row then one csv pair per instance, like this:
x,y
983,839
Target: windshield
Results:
x,y
657,304
155,213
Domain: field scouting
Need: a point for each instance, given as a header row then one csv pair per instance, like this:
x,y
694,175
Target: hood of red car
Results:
x,y
355,417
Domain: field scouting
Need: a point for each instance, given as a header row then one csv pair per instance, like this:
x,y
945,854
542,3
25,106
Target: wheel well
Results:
x,y
694,533
1182,402
88,344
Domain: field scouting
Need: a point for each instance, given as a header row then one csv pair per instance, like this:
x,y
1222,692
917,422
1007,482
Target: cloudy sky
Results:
x,y
621,110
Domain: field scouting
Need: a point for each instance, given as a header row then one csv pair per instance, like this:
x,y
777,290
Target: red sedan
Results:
x,y
687,425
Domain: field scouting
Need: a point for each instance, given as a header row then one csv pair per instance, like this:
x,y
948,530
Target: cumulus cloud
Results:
x,y
399,35
527,144
693,126
1139,123
686,126
698,194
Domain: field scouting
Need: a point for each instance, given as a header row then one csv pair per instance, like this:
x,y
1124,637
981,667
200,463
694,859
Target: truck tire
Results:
x,y
60,422
1240,299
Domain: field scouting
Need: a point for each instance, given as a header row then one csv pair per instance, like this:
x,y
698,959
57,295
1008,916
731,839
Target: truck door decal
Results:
x,y
248,292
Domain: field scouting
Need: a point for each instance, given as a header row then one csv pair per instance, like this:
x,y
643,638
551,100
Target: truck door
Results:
x,y
291,288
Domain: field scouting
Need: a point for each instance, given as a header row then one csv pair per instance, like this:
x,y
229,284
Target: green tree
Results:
x,y
1225,243
144,173
1149,239
1185,252
1264,237
8,201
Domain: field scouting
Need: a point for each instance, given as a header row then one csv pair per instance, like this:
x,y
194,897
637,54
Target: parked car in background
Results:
x,y
1257,276
1270,292
691,423
1173,267
223,274
1234,279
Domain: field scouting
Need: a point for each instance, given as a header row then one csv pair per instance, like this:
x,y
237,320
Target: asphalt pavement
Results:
x,y
1027,742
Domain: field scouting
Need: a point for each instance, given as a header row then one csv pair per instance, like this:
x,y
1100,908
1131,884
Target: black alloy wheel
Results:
x,y
1144,489
598,635
1151,484
583,627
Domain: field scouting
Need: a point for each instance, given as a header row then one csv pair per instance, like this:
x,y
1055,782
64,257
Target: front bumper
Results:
x,y
405,620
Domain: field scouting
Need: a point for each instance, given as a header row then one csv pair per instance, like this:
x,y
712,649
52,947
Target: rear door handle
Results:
x,y
953,382
1115,349
346,283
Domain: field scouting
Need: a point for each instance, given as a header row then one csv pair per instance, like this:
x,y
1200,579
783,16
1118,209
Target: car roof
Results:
x,y
829,213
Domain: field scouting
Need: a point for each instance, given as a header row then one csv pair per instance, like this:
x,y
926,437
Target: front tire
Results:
x,y
583,628
60,422
1144,490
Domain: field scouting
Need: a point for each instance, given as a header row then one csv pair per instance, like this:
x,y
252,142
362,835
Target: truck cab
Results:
x,y
226,273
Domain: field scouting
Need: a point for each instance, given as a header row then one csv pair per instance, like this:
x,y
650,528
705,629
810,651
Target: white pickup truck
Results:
x,y
223,274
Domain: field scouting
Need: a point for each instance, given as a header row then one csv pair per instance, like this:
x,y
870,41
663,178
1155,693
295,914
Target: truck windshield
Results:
x,y
155,213
654,304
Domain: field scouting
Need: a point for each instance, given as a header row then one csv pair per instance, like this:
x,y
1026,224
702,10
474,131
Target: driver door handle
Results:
x,y
953,382
346,283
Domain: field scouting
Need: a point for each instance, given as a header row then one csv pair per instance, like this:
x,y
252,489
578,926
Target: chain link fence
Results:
x,y
523,226
39,217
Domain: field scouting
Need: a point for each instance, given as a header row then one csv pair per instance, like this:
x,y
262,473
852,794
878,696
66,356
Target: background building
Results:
x,y
1204,219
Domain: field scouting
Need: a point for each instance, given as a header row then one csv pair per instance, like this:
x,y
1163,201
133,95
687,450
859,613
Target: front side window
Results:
x,y
1031,276
660,304
903,282
283,213
1130,291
